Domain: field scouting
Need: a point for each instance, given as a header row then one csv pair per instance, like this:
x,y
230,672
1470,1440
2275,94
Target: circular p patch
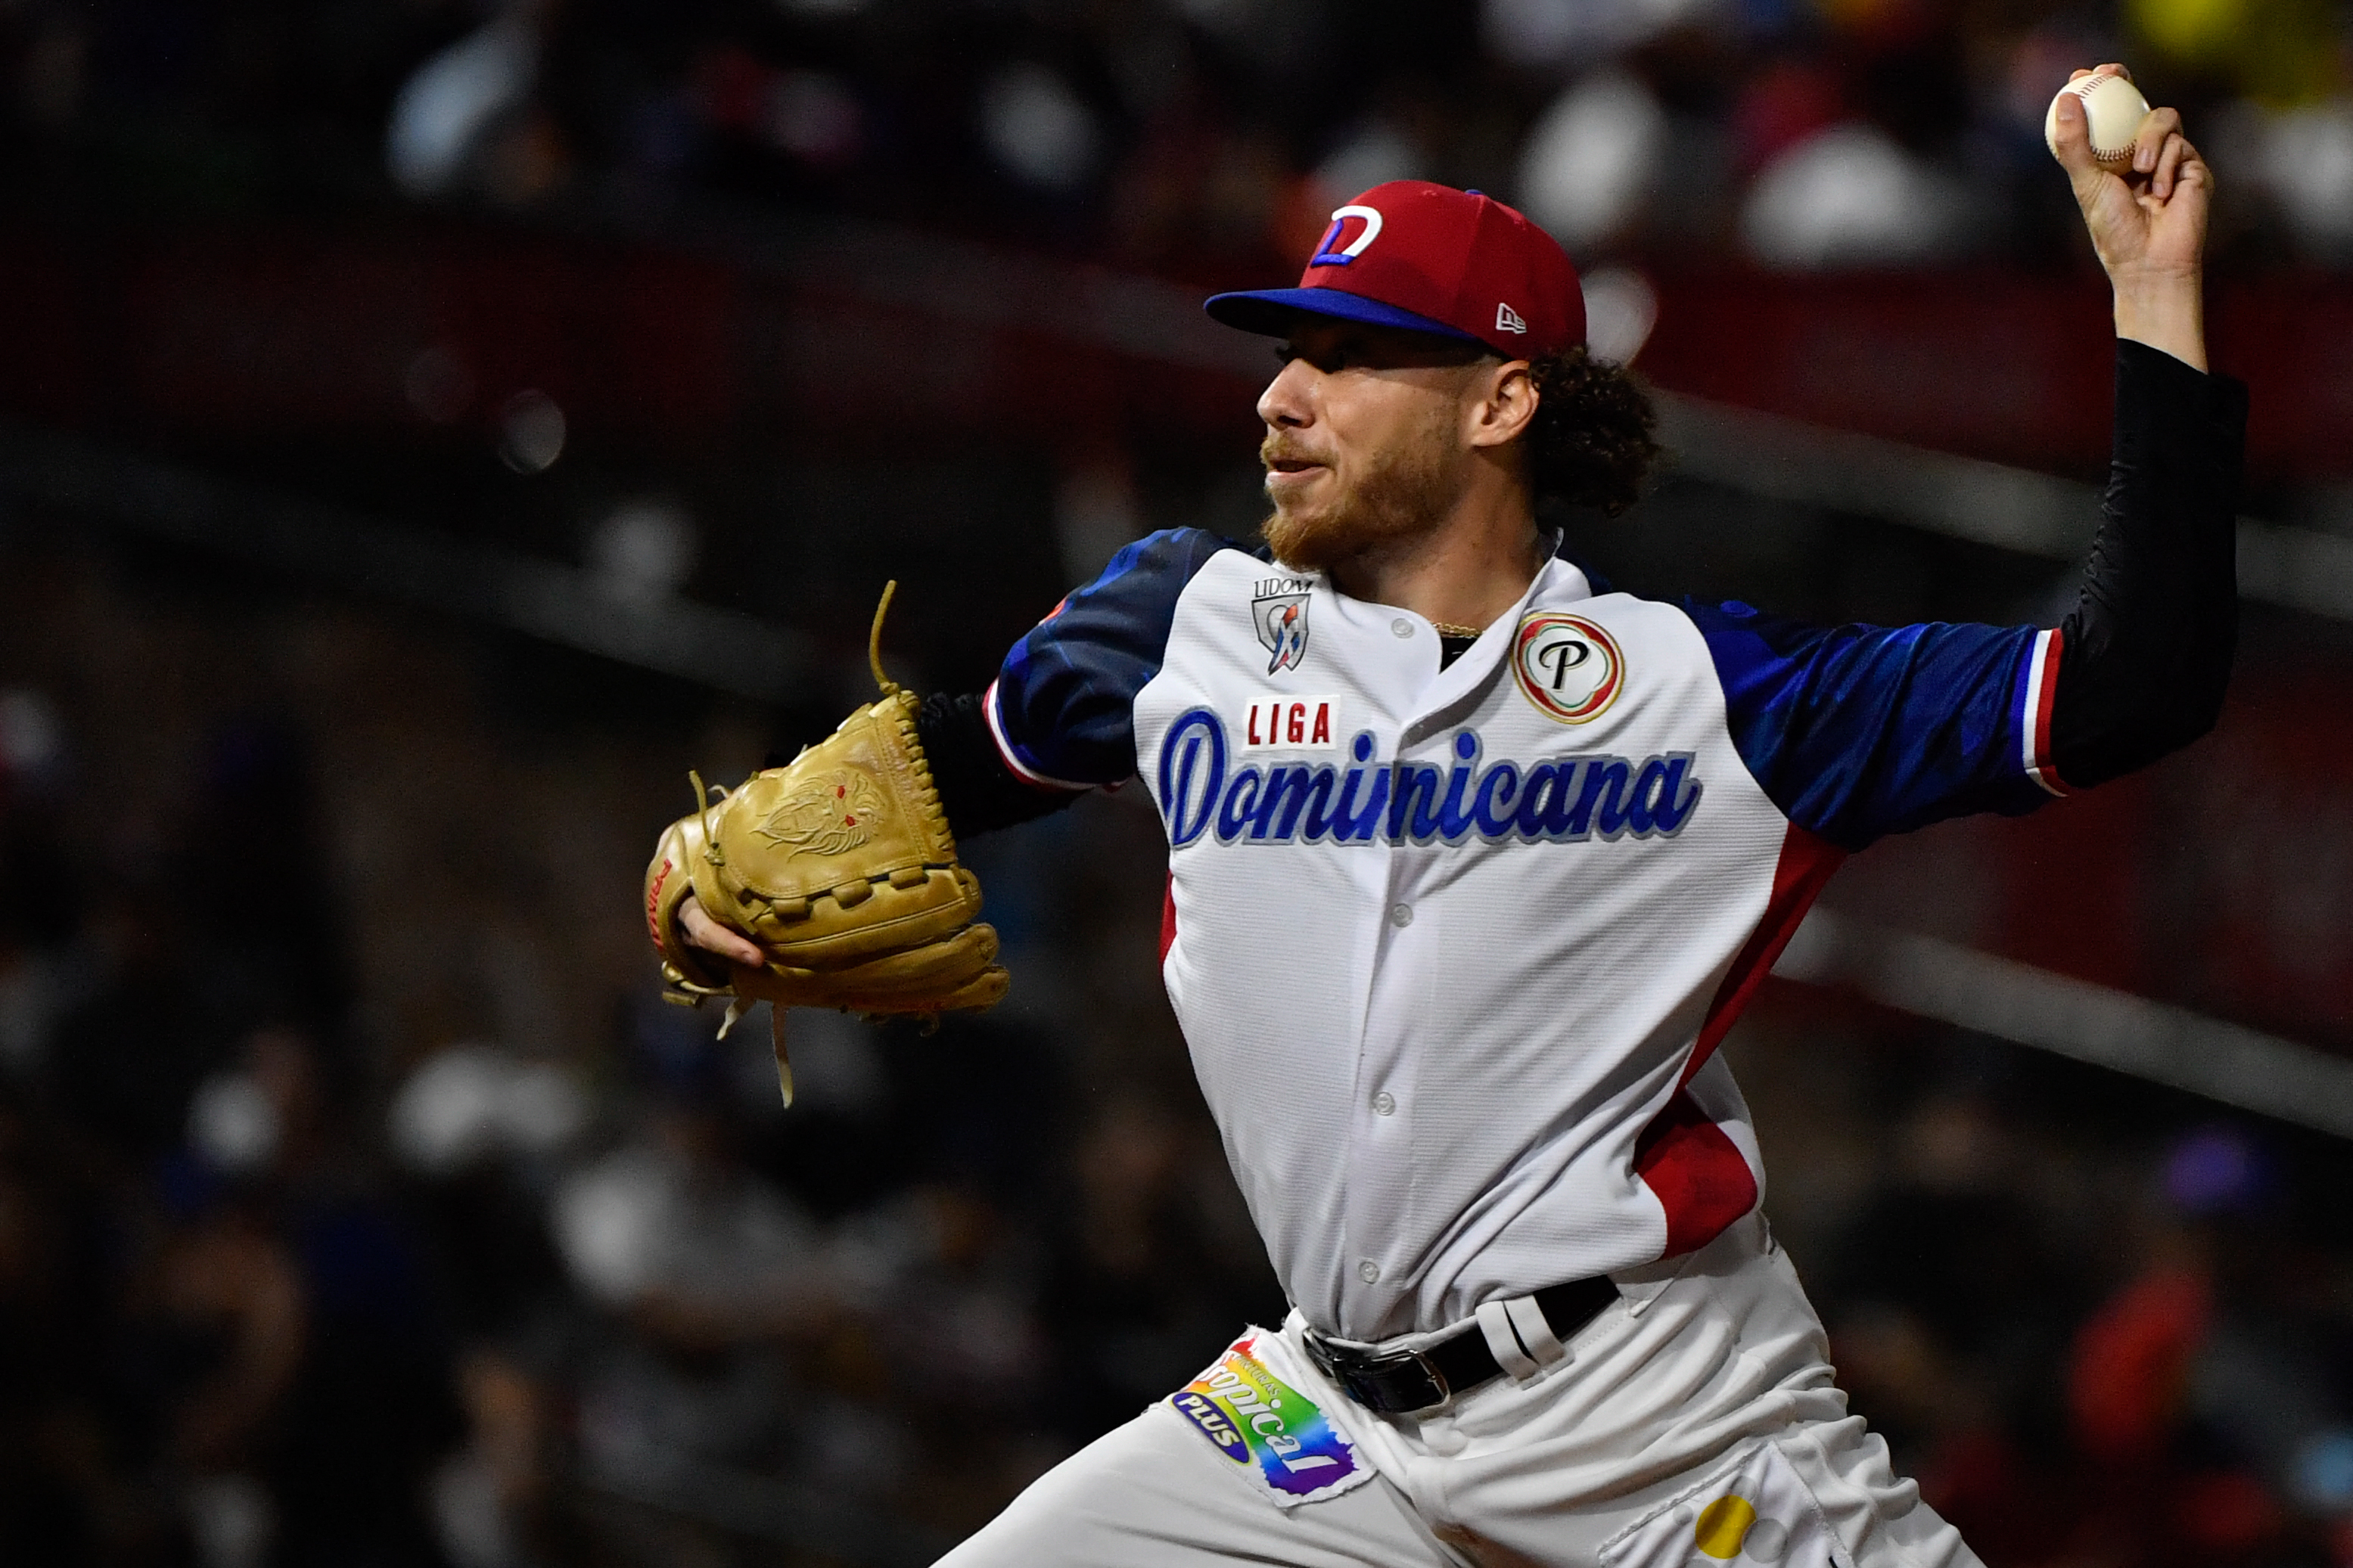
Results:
x,y
1569,668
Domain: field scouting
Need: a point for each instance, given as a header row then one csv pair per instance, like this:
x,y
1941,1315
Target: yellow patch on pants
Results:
x,y
1757,1515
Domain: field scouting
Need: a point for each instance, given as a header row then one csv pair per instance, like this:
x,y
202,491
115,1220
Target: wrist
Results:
x,y
2164,308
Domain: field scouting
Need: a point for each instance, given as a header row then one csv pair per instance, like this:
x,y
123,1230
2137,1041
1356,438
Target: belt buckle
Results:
x,y
1429,1370
1366,1377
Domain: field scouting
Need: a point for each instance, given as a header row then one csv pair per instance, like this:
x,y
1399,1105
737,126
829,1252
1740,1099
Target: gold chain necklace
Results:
x,y
1448,629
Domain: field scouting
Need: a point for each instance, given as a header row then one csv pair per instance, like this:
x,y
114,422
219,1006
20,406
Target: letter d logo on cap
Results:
x,y
1326,257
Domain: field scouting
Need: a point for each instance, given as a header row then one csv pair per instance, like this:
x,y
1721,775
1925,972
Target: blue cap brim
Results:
x,y
1271,311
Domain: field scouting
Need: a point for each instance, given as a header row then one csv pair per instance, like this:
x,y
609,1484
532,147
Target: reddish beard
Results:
x,y
1399,493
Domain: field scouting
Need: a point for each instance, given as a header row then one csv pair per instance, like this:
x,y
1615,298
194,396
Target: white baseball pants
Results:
x,y
1694,1424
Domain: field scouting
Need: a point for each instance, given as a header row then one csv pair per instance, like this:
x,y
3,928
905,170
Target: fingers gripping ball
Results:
x,y
842,868
2113,110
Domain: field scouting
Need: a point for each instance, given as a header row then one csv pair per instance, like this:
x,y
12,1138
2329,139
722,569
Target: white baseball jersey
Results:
x,y
1453,947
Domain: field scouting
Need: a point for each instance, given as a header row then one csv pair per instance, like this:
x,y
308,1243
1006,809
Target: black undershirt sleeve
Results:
x,y
978,791
2146,654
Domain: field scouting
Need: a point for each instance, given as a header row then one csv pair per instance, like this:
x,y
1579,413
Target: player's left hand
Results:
x,y
712,937
2149,220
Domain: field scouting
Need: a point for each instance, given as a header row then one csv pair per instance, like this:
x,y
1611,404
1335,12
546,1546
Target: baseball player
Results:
x,y
1473,864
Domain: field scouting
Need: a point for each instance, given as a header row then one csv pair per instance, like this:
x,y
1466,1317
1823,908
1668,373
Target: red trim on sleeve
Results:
x,y
1168,917
1014,764
2044,700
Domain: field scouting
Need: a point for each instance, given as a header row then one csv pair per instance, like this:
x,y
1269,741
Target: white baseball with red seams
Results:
x,y
2113,110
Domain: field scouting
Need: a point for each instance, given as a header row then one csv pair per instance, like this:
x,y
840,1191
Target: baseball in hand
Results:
x,y
2113,110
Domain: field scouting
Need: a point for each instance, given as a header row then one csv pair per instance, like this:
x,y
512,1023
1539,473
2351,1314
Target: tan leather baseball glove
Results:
x,y
841,867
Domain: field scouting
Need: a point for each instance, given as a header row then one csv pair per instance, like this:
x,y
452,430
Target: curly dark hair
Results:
x,y
1591,442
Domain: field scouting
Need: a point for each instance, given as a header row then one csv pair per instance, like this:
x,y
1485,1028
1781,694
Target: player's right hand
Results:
x,y
2148,224
712,937
2152,218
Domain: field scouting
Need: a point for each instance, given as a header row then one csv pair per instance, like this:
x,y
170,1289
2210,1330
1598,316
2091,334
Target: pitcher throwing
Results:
x,y
1472,863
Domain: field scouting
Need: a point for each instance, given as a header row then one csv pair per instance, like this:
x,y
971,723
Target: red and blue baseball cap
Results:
x,y
1429,259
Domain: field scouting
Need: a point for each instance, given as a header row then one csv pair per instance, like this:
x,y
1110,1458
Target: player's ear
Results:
x,y
1506,401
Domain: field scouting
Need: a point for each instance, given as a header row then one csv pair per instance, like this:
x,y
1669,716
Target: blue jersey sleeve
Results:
x,y
1062,708
1859,732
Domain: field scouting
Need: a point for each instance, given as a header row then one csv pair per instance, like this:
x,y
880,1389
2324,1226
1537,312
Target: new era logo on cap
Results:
x,y
1429,259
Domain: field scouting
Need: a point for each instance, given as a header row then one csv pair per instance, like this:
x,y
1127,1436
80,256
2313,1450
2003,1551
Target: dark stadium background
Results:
x,y
428,428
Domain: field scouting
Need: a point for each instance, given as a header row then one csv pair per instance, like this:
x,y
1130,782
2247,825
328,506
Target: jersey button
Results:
x,y
1402,916
1401,627
1384,1103
1368,1271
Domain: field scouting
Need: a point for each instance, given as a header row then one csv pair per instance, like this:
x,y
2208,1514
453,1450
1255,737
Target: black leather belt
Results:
x,y
1415,1380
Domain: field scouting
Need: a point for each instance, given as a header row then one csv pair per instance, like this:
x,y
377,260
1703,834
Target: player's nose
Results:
x,y
1289,400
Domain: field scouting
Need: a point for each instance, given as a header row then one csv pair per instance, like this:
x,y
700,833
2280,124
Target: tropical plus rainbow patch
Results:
x,y
1268,1427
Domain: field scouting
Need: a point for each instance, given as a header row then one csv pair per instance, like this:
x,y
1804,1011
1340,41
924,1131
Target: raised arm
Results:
x,y
2146,654
2148,224
1857,732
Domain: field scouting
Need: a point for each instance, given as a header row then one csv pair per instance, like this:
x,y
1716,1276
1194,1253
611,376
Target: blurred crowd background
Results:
x,y
1186,136
428,428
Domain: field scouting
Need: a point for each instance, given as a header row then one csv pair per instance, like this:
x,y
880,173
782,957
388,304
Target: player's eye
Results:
x,y
1330,359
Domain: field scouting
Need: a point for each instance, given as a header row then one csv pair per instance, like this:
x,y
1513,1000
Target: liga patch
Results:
x,y
1290,724
1270,1428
